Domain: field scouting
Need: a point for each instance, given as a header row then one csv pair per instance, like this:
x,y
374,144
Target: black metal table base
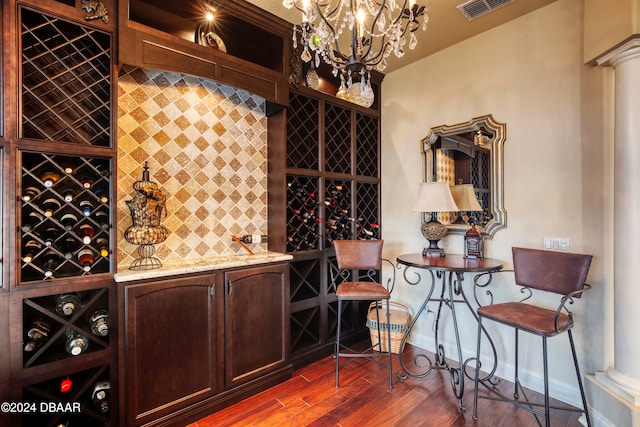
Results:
x,y
451,293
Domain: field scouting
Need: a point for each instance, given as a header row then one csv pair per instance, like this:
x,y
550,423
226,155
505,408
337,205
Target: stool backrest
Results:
x,y
358,254
558,272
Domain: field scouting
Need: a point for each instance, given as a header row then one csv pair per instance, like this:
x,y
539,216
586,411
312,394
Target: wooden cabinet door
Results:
x,y
256,322
170,335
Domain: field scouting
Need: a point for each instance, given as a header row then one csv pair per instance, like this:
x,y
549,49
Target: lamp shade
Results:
x,y
465,197
434,197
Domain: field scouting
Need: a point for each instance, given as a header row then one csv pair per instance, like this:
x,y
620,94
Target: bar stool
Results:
x,y
354,256
556,272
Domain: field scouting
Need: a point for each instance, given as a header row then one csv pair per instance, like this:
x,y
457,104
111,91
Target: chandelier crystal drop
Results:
x,y
354,36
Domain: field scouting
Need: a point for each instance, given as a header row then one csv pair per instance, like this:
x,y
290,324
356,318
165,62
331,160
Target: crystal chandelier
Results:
x,y
353,36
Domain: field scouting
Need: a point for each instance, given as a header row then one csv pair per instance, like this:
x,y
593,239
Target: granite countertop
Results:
x,y
198,265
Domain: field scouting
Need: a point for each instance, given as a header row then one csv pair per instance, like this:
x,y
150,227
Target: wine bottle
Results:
x,y
30,249
68,220
99,321
76,342
102,218
85,259
68,168
69,194
102,194
86,207
86,181
68,246
32,220
103,246
50,235
37,334
66,304
103,170
87,233
65,386
254,238
50,262
100,396
30,193
50,205
49,178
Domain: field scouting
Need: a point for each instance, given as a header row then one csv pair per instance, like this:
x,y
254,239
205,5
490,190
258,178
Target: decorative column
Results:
x,y
624,376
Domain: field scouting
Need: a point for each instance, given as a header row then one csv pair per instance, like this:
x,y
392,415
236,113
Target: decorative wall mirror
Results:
x,y
469,153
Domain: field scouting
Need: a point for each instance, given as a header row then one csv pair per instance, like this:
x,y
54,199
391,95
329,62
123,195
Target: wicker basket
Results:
x,y
399,318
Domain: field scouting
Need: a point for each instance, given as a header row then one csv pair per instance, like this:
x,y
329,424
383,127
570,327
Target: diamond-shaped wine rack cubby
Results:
x,y
79,398
59,325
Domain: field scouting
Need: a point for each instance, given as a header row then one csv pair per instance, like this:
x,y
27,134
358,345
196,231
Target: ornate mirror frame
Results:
x,y
492,138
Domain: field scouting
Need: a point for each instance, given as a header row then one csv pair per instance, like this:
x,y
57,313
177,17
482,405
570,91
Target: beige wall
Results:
x,y
608,23
528,73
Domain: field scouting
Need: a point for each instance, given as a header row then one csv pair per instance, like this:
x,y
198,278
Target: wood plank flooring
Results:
x,y
364,399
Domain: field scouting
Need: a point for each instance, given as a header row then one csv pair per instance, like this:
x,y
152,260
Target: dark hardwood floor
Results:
x,y
364,399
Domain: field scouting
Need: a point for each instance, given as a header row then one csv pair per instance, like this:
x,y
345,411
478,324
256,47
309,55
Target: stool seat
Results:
x,y
537,320
362,291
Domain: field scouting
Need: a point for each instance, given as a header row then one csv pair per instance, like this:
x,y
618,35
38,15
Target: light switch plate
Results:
x,y
559,244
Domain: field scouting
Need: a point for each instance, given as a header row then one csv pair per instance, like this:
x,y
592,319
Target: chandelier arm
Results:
x,y
341,57
381,7
376,59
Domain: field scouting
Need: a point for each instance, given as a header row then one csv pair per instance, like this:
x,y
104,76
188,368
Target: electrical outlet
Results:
x,y
559,244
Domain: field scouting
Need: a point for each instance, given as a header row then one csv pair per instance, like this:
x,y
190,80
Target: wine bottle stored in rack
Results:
x,y
37,334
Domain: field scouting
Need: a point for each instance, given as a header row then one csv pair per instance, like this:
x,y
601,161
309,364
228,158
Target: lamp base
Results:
x,y
433,252
433,231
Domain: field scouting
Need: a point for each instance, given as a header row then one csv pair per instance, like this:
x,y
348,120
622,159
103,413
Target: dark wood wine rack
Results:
x,y
88,180
66,81
332,178
53,349
63,157
78,399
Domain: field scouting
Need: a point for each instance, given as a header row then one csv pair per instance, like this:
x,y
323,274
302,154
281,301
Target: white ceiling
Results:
x,y
446,27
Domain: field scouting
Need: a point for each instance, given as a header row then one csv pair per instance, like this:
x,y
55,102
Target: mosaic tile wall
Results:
x,y
206,147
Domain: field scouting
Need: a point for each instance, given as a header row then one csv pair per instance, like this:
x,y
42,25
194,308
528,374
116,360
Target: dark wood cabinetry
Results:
x,y
171,345
163,35
256,322
194,344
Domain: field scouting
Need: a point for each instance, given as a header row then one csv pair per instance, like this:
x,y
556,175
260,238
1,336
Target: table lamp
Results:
x,y
465,197
434,197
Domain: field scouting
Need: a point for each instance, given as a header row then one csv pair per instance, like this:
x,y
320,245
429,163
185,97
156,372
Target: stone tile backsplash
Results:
x,y
206,147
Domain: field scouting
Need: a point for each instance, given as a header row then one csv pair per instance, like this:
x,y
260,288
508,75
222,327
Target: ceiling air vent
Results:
x,y
475,8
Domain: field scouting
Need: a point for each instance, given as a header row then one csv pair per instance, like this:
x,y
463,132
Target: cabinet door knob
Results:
x,y
229,287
